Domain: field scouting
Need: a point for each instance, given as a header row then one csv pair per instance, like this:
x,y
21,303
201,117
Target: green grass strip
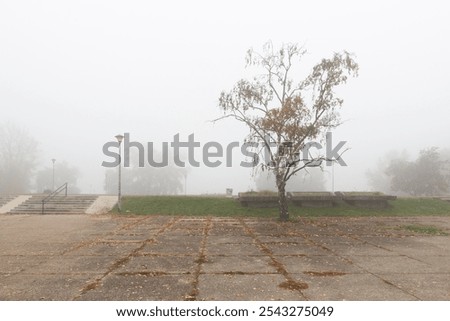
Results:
x,y
227,207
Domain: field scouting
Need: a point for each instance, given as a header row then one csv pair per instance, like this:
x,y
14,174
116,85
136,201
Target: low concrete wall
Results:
x,y
103,204
14,203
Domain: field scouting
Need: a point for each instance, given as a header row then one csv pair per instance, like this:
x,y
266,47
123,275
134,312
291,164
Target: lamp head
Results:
x,y
119,138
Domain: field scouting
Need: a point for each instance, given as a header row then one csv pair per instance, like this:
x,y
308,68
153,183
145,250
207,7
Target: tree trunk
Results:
x,y
282,200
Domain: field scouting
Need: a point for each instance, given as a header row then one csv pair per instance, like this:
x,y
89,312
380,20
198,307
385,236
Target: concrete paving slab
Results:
x,y
387,264
232,249
232,287
125,237
184,232
440,263
74,264
141,288
226,231
10,264
172,247
281,239
351,287
238,264
159,264
293,248
37,248
359,248
318,264
439,242
215,239
107,257
55,247
110,248
267,228
434,287
48,287
188,225
171,239
413,246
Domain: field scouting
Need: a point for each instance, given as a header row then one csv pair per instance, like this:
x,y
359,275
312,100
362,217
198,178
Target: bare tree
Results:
x,y
18,153
286,113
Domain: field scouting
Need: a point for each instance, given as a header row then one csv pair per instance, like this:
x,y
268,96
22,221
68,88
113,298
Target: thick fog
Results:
x,y
75,74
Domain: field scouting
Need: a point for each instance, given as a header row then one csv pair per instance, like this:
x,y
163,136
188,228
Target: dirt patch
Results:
x,y
294,285
201,259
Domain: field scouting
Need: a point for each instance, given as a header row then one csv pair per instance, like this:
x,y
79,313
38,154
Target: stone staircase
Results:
x,y
70,204
4,199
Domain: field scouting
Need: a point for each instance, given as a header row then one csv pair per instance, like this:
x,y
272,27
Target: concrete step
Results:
x,y
4,199
70,204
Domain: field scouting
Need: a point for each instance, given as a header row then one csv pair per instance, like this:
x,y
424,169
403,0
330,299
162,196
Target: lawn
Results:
x,y
427,229
221,206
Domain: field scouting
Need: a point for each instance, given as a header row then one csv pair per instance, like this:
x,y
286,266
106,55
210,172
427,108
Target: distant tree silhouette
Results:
x,y
146,180
64,173
18,154
377,177
427,176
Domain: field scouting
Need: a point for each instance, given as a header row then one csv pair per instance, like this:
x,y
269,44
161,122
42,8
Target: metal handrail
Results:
x,y
53,194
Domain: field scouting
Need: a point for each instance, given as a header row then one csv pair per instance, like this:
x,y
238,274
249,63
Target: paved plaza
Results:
x,y
102,257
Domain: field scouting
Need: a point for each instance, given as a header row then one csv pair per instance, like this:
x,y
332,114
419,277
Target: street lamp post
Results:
x,y
332,177
53,176
119,195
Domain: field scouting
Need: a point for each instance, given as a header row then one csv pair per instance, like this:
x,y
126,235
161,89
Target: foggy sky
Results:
x,y
75,74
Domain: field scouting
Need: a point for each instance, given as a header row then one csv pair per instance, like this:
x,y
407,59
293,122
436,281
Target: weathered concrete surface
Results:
x,y
13,203
99,257
102,205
